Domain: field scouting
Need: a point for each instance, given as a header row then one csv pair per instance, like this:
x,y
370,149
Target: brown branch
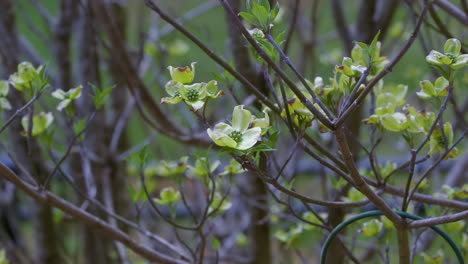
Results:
x,y
359,182
453,10
87,218
325,121
439,220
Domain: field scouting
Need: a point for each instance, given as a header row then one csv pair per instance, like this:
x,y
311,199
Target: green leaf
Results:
x,y
4,104
219,204
387,223
274,12
79,125
261,14
101,95
215,243
249,18
140,158
354,196
337,184
265,3
4,88
373,46
47,138
311,218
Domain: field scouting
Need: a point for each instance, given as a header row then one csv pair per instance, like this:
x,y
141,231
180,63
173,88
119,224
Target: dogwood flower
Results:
x,y
27,77
450,57
40,123
428,90
67,97
180,88
239,135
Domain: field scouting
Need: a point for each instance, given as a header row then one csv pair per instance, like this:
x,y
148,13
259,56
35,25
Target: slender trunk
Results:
x,y
403,246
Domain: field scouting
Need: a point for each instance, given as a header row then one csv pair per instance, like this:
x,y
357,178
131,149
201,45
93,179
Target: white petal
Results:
x,y
250,138
241,118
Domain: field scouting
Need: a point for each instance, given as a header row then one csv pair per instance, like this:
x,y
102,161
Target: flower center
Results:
x,y
192,95
236,135
451,56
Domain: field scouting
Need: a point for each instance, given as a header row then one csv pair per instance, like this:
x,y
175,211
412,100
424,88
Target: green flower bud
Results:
x,y
372,228
168,196
184,75
257,33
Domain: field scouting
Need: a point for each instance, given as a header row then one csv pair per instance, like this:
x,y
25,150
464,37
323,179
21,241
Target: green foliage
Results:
x,y
203,168
289,236
260,14
4,89
456,193
166,168
101,95
219,203
140,158
267,46
355,196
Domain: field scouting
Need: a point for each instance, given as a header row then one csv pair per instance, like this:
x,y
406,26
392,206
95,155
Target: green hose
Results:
x,y
338,228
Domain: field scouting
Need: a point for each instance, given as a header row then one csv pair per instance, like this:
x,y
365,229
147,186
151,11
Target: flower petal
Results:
x,y
171,100
63,104
452,46
183,75
219,136
241,118
59,94
196,105
173,88
212,89
460,62
250,138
